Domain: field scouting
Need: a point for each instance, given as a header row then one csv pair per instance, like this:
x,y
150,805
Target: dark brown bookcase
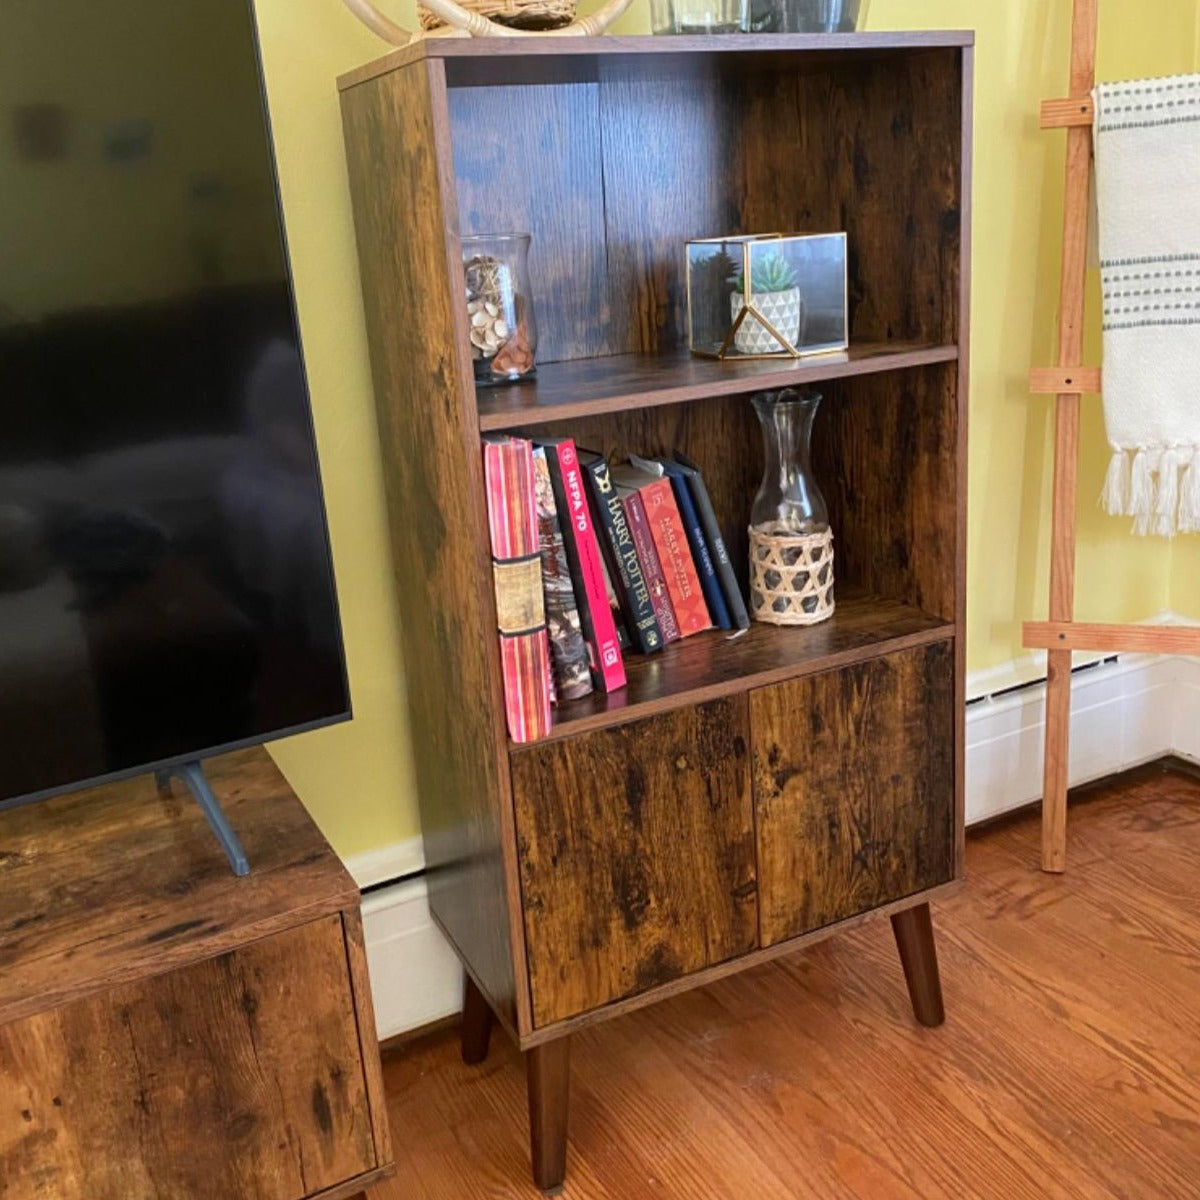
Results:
x,y
739,798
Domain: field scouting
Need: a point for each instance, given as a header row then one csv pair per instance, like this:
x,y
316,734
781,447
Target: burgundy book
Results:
x,y
674,553
656,581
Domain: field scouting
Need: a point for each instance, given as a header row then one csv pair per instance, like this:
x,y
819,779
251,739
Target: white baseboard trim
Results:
x,y
1122,714
387,864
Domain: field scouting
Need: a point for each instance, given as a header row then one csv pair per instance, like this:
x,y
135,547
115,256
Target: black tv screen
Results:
x,y
166,588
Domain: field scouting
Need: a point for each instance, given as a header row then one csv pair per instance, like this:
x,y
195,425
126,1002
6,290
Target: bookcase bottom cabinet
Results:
x,y
735,830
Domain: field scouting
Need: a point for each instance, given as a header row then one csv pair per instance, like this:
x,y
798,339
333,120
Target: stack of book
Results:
x,y
593,561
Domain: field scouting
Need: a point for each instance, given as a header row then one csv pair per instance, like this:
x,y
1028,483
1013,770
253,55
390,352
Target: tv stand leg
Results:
x,y
192,774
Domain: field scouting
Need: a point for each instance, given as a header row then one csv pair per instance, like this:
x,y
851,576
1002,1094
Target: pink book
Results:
x,y
586,565
517,568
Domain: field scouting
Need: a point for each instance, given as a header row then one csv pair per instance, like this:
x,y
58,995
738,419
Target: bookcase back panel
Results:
x,y
611,176
884,453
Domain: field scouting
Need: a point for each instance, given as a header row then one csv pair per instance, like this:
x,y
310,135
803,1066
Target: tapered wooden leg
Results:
x,y
477,1021
548,1070
918,955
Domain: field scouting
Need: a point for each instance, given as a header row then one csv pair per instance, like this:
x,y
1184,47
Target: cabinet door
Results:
x,y
240,1076
854,788
636,848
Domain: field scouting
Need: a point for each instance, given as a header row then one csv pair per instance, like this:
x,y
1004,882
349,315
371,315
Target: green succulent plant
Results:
x,y
771,273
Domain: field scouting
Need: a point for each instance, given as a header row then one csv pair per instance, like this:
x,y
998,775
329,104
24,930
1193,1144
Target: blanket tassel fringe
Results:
x,y
1158,487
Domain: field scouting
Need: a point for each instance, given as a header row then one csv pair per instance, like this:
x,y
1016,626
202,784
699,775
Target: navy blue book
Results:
x,y
716,543
710,581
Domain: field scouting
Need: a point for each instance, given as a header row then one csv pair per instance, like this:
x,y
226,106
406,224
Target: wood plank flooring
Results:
x,y
1069,1066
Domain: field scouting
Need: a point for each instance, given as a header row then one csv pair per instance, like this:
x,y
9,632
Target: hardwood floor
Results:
x,y
1069,1065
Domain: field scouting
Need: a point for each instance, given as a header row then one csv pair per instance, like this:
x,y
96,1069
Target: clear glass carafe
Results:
x,y
791,544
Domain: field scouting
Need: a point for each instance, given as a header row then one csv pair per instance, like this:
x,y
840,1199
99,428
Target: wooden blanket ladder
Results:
x,y
1068,382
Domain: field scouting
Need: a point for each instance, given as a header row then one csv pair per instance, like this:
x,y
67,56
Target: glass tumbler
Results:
x,y
700,16
503,328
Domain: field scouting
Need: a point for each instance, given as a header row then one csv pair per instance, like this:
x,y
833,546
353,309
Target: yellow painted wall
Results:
x,y
357,779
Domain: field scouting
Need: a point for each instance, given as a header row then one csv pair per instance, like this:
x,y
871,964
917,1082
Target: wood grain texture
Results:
x,y
549,1087
1067,1070
913,929
961,458
708,665
561,202
477,1021
878,155
200,1082
1063,516
404,207
368,1036
1053,381
637,856
483,61
853,789
580,164
114,883
887,455
1062,114
589,387
1125,639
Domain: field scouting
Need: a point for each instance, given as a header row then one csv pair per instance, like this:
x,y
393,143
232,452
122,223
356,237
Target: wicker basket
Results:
x,y
791,576
516,14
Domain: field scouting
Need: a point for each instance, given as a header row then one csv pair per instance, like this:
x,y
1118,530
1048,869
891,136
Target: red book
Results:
x,y
670,540
585,563
656,581
517,571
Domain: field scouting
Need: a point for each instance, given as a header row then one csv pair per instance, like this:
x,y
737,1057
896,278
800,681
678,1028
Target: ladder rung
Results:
x,y
1065,381
1063,114
1112,639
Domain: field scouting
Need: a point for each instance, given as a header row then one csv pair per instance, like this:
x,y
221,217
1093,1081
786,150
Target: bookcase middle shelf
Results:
x,y
597,386
714,663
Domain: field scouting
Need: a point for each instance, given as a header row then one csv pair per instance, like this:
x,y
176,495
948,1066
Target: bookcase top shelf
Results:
x,y
592,386
712,664
554,54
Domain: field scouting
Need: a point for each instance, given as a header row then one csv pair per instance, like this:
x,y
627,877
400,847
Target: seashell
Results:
x,y
501,328
479,320
478,339
490,339
493,310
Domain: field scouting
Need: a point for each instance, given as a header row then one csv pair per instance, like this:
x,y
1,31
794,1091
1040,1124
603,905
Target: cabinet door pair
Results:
x,y
679,841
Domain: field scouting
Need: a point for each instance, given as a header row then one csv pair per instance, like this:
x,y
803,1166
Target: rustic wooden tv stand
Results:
x,y
168,1029
738,799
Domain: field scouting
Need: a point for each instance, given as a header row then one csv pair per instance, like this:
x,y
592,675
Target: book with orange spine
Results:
x,y
671,541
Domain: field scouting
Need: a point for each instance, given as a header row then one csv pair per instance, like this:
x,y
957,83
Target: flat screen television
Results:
x,y
166,589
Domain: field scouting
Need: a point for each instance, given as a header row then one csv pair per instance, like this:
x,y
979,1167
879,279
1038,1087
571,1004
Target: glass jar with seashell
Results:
x,y
500,317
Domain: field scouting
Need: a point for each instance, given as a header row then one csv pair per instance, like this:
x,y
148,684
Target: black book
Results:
x,y
716,543
620,553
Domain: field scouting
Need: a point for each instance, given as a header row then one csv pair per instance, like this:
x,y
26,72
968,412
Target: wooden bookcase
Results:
x,y
739,798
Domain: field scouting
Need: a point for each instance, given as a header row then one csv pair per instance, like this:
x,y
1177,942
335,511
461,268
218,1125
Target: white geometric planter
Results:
x,y
782,309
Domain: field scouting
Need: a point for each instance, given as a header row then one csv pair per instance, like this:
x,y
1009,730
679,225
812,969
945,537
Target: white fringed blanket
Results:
x,y
1147,138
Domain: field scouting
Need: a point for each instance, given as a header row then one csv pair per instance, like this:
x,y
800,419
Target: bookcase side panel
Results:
x,y
430,444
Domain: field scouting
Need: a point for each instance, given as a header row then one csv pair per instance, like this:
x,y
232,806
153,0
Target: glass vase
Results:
x,y
791,543
503,328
